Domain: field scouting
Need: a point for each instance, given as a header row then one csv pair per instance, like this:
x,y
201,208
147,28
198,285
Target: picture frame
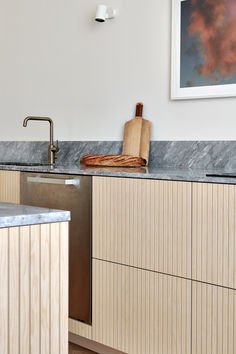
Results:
x,y
179,92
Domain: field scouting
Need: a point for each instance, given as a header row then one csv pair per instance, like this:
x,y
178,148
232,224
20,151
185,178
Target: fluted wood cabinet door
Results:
x,y
10,186
213,319
214,234
143,223
34,289
137,311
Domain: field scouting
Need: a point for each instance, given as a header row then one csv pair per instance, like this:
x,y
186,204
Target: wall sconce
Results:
x,y
104,13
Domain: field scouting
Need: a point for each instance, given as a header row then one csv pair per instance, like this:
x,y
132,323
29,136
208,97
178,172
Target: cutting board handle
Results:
x,y
139,109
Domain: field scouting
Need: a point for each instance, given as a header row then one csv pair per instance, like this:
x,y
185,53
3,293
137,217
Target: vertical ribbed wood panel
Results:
x,y
10,186
64,286
35,298
24,262
14,288
137,311
55,289
213,319
4,291
34,289
214,234
45,284
143,223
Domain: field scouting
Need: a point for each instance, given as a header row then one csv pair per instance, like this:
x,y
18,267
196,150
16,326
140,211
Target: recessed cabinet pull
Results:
x,y
71,182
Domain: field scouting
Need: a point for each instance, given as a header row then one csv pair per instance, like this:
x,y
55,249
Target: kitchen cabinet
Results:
x,y
10,186
141,228
137,311
169,246
143,223
214,234
34,289
164,271
213,319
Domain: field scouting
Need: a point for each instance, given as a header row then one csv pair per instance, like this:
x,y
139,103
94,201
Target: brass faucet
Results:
x,y
52,149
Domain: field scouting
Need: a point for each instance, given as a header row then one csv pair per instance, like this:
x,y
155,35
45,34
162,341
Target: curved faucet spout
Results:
x,y
52,149
47,119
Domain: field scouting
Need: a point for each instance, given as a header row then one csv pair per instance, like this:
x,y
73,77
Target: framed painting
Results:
x,y
203,49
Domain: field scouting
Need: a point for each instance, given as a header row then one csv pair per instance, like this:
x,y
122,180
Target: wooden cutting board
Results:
x,y
137,134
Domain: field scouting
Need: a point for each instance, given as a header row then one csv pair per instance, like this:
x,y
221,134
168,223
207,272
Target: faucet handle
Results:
x,y
55,148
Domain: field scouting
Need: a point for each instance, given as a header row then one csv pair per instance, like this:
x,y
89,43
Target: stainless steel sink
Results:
x,y
25,164
223,174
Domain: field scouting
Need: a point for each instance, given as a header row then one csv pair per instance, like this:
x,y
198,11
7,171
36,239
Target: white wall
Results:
x,y
57,61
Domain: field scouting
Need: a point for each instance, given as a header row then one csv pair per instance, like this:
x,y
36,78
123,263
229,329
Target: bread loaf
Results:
x,y
113,160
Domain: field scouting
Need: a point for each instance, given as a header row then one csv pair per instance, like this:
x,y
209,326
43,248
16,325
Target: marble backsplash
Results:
x,y
181,154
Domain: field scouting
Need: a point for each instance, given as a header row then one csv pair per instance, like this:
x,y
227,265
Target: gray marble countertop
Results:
x,y
167,173
20,215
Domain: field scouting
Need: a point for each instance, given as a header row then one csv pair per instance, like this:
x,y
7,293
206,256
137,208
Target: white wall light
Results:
x,y
104,13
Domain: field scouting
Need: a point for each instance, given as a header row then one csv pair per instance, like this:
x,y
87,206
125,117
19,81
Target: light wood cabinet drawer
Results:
x,y
213,319
137,311
214,234
143,223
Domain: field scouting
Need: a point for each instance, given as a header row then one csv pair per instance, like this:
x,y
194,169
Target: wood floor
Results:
x,y
75,349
